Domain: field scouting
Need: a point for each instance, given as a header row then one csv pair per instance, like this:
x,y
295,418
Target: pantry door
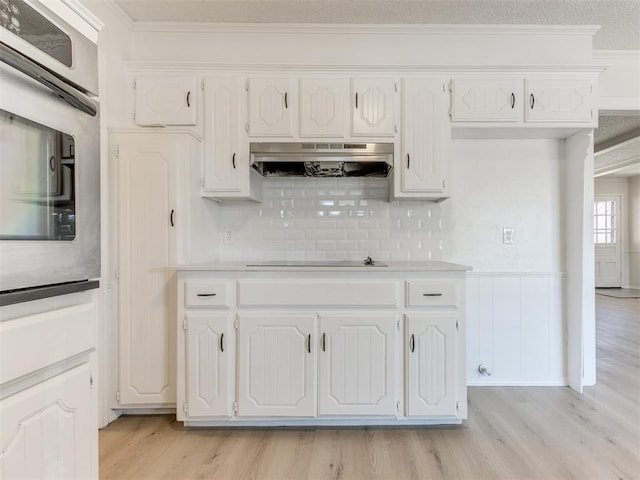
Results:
x,y
607,235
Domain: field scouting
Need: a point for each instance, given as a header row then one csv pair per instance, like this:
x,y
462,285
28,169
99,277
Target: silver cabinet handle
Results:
x,y
206,294
431,294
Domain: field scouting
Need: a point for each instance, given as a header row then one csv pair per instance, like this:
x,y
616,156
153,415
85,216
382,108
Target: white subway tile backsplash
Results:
x,y
331,219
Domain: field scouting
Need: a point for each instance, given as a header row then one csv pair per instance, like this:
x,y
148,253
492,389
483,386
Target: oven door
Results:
x,y
49,187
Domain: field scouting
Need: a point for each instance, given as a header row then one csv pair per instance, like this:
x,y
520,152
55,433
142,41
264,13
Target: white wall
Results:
x,y
634,232
619,186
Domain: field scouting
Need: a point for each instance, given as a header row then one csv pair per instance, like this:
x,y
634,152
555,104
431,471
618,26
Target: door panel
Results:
x,y
607,241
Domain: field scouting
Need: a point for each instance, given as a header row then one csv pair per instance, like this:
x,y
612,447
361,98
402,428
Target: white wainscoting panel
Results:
x,y
516,328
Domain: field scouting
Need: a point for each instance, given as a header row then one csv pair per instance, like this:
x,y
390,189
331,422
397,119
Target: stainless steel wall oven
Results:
x,y
49,155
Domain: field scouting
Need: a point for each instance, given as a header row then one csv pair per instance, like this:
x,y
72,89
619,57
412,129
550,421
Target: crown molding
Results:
x,y
120,14
200,67
605,56
363,29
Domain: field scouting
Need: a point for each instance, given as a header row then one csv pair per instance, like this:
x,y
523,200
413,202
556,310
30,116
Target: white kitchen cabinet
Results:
x,y
226,172
166,99
431,364
486,100
277,365
210,366
49,430
357,364
559,100
373,107
525,101
424,162
152,184
324,104
271,107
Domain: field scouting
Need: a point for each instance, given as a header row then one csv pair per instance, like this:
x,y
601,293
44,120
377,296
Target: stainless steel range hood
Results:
x,y
284,159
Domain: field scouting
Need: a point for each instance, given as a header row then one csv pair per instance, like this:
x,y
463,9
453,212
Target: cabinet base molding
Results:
x,y
329,422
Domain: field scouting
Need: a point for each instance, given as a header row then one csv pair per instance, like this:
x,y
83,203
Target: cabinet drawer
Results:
x,y
206,293
316,293
432,293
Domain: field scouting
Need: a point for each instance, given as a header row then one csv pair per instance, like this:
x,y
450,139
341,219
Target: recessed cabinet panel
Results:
x,y
165,100
225,163
152,171
323,107
489,100
210,351
373,103
357,368
271,107
431,363
277,365
559,100
47,431
425,136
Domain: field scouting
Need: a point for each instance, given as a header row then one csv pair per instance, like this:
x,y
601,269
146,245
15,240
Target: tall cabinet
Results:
x,y
152,173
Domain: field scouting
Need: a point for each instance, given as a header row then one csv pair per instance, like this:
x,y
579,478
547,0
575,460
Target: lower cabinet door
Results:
x,y
210,356
49,430
277,365
357,364
431,354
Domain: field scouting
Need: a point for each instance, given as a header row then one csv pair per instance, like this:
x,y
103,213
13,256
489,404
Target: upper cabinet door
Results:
x,y
486,100
425,136
225,165
373,102
559,100
323,107
271,107
165,100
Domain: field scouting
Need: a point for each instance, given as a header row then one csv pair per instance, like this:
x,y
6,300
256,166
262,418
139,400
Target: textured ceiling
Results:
x,y
620,19
615,129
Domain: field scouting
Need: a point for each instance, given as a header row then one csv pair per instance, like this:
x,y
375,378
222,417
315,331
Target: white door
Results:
x,y
607,241
373,103
431,357
486,100
323,107
425,135
47,431
150,169
559,100
225,163
166,100
357,365
210,365
271,107
277,365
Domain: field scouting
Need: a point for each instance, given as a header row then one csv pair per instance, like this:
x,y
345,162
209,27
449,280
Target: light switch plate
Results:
x,y
508,235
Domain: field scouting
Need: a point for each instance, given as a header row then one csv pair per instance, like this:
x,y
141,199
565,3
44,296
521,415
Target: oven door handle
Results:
x,y
27,66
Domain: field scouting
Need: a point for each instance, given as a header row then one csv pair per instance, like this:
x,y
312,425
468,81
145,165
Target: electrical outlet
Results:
x,y
508,235
228,237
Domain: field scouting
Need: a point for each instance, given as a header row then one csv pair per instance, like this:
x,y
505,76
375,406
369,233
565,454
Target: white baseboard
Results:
x,y
520,382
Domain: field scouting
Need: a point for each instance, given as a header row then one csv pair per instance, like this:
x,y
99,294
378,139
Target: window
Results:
x,y
604,222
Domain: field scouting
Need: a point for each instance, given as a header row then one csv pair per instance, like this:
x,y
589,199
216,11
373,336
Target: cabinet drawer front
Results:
x,y
432,293
206,293
308,293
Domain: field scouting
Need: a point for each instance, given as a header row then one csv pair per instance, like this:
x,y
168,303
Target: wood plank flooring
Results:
x,y
512,433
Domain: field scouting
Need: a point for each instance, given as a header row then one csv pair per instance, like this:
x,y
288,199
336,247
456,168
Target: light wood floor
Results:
x,y
512,433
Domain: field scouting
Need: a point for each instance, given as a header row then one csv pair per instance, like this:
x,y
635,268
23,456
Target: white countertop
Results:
x,y
323,267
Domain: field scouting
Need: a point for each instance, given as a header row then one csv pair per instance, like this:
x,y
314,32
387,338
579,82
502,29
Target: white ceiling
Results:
x,y
620,19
